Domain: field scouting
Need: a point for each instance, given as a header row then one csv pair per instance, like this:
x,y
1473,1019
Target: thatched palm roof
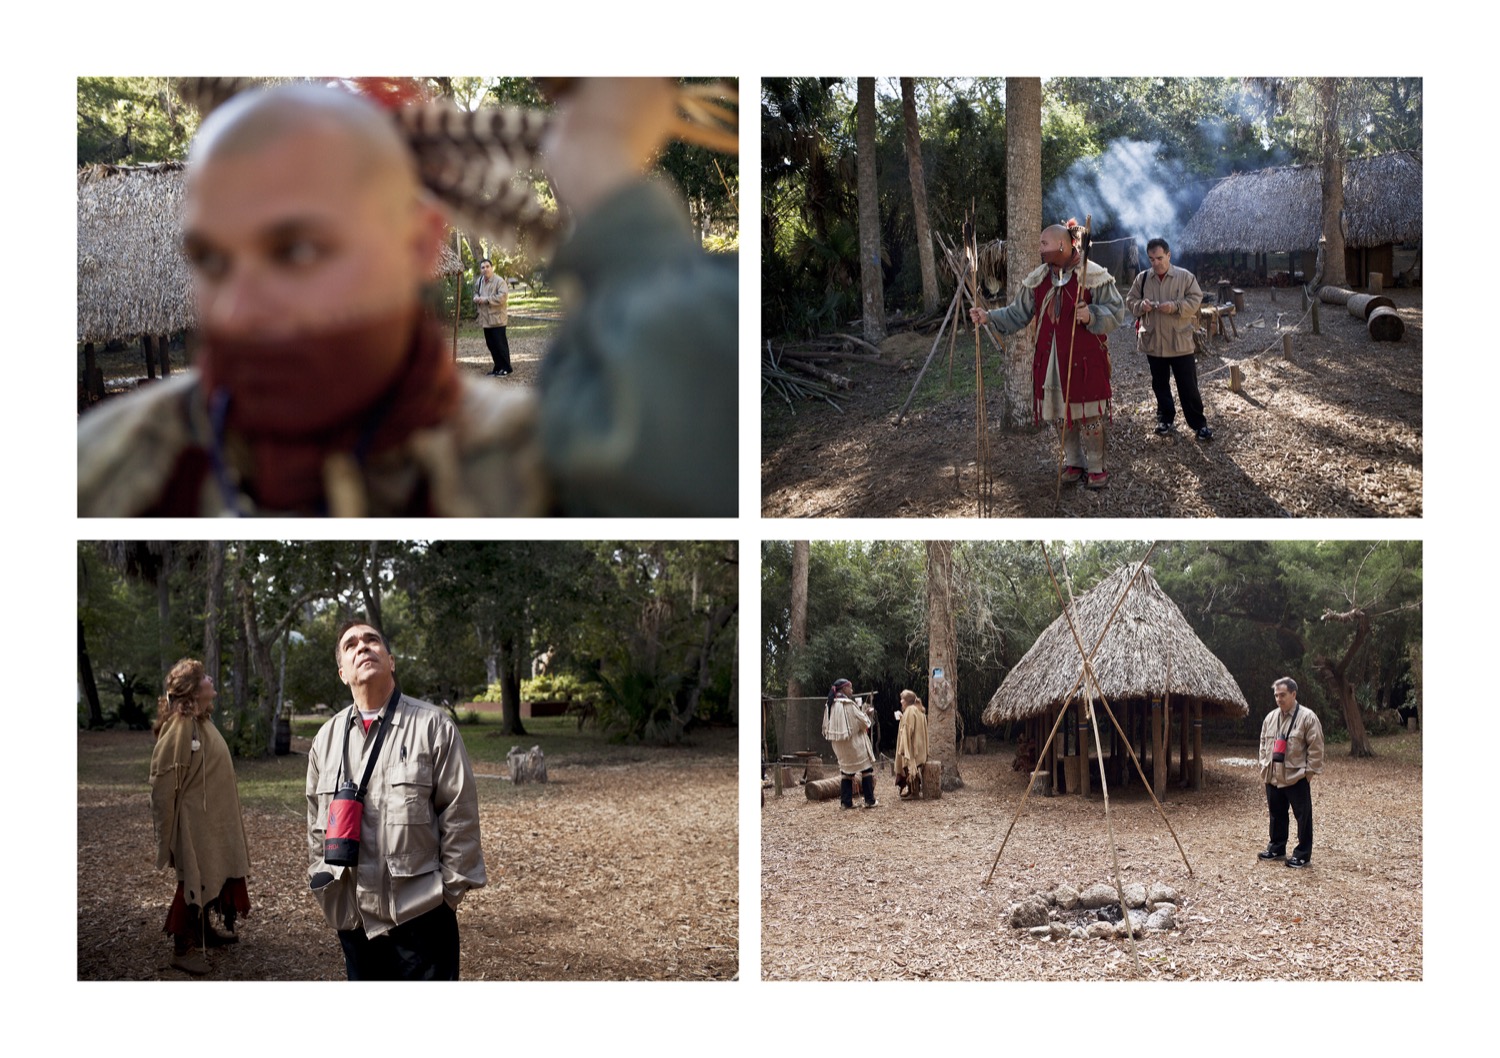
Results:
x,y
1273,210
1148,633
132,276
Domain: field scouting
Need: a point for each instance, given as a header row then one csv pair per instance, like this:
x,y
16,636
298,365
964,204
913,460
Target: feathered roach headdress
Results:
x,y
475,161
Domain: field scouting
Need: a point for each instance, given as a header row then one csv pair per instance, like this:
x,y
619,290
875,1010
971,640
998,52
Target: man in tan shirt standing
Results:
x,y
1165,299
1291,750
491,293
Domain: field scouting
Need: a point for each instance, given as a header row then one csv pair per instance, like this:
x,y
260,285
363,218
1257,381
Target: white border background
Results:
x,y
45,56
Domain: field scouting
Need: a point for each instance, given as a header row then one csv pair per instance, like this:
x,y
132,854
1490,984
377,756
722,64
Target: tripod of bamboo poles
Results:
x,y
1067,395
1087,674
985,482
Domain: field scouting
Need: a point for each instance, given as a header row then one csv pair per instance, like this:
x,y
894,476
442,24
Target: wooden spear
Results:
x,y
1082,275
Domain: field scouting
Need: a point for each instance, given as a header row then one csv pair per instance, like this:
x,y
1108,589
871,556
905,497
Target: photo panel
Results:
x,y
407,759
981,759
408,296
1121,297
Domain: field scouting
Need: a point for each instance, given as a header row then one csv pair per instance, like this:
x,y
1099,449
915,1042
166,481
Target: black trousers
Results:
x,y
499,347
1297,797
1185,370
424,949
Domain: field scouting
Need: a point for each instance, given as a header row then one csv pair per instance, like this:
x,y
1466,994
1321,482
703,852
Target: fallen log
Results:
x,y
858,341
823,375
833,354
1360,305
822,789
1385,325
1334,295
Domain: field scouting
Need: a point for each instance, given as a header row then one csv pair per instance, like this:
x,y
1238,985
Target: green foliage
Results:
x,y
131,120
555,687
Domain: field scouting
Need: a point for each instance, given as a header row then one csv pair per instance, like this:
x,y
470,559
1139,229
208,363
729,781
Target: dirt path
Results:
x,y
894,893
1334,432
625,870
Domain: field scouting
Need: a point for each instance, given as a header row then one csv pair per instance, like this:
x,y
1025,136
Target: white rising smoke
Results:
x,y
1130,190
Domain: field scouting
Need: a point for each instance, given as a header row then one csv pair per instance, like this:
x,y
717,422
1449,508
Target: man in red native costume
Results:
x,y
1070,372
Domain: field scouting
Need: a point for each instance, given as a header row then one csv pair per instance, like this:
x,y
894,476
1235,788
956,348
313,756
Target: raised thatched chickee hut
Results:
x,y
1280,211
1157,675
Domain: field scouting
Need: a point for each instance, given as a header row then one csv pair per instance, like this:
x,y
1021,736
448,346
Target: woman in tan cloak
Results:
x,y
195,806
911,744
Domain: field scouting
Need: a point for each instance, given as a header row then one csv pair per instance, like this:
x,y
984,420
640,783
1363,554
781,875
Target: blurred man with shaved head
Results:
x,y
1070,372
321,387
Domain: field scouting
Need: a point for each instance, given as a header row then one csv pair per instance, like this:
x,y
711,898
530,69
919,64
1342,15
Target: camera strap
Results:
x,y
384,722
1291,723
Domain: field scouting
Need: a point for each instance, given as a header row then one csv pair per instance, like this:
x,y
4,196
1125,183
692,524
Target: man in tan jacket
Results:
x,y
1165,300
1291,751
419,850
491,293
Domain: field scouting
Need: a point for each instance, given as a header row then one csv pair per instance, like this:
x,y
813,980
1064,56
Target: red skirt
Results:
x,y
181,922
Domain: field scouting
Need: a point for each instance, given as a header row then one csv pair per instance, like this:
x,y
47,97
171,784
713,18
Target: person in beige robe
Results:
x,y
195,810
911,744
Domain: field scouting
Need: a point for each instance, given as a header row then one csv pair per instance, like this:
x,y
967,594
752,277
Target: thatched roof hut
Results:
x,y
1275,210
1152,667
1149,635
132,276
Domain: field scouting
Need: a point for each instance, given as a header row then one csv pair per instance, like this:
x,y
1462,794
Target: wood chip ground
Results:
x,y
626,870
894,893
1334,432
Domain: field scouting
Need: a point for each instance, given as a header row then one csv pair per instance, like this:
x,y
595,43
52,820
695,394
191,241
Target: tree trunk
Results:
x,y
871,283
797,639
510,653
1333,184
1023,224
86,678
1342,686
213,607
930,294
942,654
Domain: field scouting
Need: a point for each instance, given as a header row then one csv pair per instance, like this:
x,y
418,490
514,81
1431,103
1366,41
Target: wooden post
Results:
x,y
1238,297
458,290
1286,346
1184,772
932,780
1236,378
1158,773
1057,762
776,778
1317,319
1084,779
1377,282
1385,325
1198,744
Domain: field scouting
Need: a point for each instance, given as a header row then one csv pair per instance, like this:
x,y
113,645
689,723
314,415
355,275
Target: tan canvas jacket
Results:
x,y
1162,333
490,301
1304,747
419,842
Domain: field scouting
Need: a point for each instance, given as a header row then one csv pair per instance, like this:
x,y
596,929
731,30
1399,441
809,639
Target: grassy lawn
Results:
x,y
119,763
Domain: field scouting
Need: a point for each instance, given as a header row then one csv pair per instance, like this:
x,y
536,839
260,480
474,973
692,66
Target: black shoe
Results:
x,y
1165,428
1297,861
1271,854
490,374
503,371
1205,433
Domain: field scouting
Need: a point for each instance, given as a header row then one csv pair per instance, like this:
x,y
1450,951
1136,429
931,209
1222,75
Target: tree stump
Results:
x,y
526,766
1237,296
1361,305
1286,346
1377,281
932,780
1236,378
823,789
1385,325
